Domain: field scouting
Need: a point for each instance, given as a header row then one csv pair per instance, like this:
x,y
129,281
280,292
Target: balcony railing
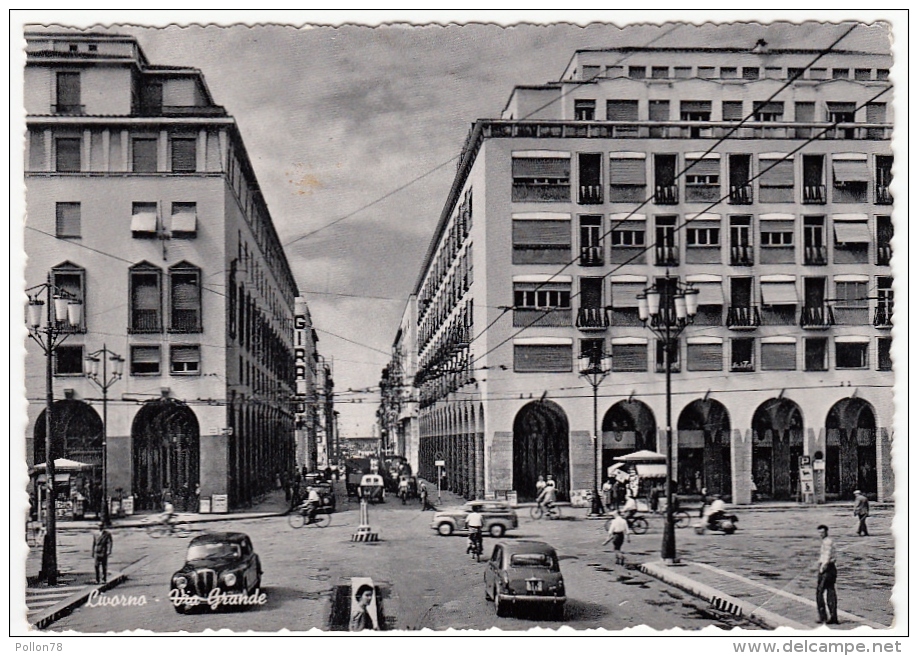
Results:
x,y
741,256
741,317
673,367
590,194
666,255
740,194
814,194
591,256
592,318
884,197
666,195
815,255
884,254
816,317
146,321
882,316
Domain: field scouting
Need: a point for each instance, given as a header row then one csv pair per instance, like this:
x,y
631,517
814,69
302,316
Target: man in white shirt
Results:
x,y
618,529
629,510
474,522
715,511
825,582
312,503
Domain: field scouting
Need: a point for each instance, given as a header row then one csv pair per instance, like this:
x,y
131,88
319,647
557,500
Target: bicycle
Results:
x,y
476,545
162,528
539,510
637,524
299,516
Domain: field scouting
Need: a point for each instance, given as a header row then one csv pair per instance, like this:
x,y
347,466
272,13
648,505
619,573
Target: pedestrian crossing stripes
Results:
x,y
37,599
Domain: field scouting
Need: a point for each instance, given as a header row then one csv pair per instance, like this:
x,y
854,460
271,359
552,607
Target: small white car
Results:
x,y
372,488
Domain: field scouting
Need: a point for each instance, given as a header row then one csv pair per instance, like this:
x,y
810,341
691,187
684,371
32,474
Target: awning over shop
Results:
x,y
651,470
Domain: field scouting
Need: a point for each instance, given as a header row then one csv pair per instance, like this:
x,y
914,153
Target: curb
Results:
x,y
64,607
720,600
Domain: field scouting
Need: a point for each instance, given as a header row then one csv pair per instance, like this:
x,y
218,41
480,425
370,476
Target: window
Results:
x,y
779,356
702,180
778,234
728,72
614,71
68,361
702,236
591,251
795,73
850,177
185,360
592,349
68,94
852,239
627,177
704,356
67,220
814,240
695,110
710,299
541,304
814,186
732,110
851,305
659,72
850,355
740,167
884,357
184,220
682,72
628,234
706,72
185,299
543,358
625,111
884,239
637,72
146,299
68,155
184,154
145,360
779,300
741,251
629,354
750,72
590,170
883,179
540,179
667,252
882,74
71,281
742,354
773,72
862,74
841,73
624,301
885,300
541,241
143,154
666,191
584,110
819,74
144,219
589,72
815,350
660,366
776,179
769,112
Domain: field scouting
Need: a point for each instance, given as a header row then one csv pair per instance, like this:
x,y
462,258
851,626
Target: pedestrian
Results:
x,y
607,493
617,493
618,531
540,485
704,501
360,620
654,498
825,582
425,498
197,497
862,512
101,550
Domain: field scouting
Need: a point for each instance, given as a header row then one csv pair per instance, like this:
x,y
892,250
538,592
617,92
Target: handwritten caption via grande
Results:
x,y
214,600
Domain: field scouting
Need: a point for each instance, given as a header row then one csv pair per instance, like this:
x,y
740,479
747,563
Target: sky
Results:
x,y
353,132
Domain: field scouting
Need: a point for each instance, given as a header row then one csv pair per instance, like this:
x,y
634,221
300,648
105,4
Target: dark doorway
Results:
x,y
540,448
704,448
777,427
166,452
851,448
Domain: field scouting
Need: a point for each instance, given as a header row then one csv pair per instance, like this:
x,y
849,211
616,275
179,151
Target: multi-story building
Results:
x,y
143,205
309,447
398,411
758,175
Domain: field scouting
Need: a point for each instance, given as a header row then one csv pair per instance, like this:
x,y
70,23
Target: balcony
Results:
x,y
741,256
815,255
740,195
591,256
816,317
666,255
592,318
884,197
882,316
666,195
884,254
590,195
814,194
743,317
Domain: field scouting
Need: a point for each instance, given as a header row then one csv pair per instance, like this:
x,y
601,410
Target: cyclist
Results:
x,y
403,489
168,513
312,503
714,512
548,496
474,522
629,510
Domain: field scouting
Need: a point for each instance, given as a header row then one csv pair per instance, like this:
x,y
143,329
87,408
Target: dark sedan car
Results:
x,y
525,573
221,569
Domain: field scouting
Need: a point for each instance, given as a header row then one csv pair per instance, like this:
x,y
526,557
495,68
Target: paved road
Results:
x,y
429,582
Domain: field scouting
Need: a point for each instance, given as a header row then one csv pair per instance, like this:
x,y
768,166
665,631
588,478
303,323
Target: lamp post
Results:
x,y
667,308
64,312
91,369
594,367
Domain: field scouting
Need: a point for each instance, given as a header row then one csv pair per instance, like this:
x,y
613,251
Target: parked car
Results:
x,y
221,562
499,517
525,573
325,490
372,488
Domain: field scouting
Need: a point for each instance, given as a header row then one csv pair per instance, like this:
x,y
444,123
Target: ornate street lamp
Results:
x,y
594,367
91,369
667,308
64,313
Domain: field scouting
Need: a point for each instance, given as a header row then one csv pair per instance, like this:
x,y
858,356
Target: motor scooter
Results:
x,y
725,524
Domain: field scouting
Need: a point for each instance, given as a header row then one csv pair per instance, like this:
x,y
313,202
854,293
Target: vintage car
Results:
x,y
499,517
525,574
217,566
372,488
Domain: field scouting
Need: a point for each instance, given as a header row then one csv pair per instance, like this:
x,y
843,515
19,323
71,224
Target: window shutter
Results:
x,y
541,167
659,110
144,155
145,354
186,354
779,293
68,91
779,357
776,173
849,232
629,357
622,110
733,110
770,108
145,291
850,171
548,357
184,155
624,294
704,167
705,357
68,155
68,219
184,218
627,172
695,105
185,291
541,233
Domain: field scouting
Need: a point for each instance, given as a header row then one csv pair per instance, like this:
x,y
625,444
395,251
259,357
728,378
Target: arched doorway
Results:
x,y
627,426
777,428
540,448
704,448
851,448
76,433
166,448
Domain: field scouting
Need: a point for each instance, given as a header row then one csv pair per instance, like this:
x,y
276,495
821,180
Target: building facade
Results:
x,y
143,205
753,174
310,447
398,412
